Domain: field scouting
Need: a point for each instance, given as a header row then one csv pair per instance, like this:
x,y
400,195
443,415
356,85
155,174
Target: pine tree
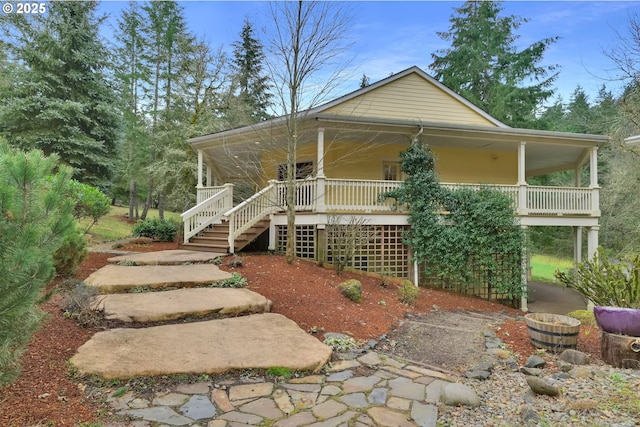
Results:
x,y
484,66
59,100
250,83
35,217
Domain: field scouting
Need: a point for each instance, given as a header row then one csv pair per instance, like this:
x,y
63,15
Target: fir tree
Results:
x,y
59,100
484,66
251,85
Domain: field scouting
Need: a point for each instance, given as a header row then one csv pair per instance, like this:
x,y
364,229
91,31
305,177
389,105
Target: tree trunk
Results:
x,y
147,202
161,205
132,198
620,351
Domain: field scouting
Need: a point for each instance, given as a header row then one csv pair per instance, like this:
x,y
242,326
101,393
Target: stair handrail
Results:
x,y
245,215
207,212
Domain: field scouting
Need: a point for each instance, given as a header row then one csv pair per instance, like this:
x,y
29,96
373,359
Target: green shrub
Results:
x,y
351,289
407,292
606,282
71,253
89,202
164,230
235,281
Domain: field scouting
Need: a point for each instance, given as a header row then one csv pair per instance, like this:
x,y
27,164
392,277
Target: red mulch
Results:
x,y
45,394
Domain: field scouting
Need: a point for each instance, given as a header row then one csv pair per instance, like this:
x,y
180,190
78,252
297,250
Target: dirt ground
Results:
x,y
442,329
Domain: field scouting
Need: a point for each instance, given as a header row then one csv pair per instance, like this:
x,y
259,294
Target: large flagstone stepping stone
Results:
x,y
170,257
120,278
181,303
257,341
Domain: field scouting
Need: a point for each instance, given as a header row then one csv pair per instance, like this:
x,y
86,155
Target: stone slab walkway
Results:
x,y
372,390
170,257
215,346
121,278
181,303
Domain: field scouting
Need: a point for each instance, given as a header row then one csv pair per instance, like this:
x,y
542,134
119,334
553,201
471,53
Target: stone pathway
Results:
x,y
372,390
147,293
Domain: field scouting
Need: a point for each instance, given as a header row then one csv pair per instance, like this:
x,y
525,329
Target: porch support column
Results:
x,y
593,182
577,245
209,180
524,270
592,241
320,177
200,158
522,181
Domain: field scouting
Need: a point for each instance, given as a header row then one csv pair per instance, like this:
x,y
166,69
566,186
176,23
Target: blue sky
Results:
x,y
390,36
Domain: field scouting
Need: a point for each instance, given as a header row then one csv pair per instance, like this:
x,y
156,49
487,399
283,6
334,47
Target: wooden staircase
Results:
x,y
216,237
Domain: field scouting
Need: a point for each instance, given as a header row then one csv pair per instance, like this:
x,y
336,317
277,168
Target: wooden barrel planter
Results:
x,y
620,351
552,332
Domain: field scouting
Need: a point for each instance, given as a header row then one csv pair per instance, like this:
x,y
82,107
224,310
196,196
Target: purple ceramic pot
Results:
x,y
616,320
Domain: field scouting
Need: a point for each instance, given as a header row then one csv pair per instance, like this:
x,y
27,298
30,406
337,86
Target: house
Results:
x,y
348,154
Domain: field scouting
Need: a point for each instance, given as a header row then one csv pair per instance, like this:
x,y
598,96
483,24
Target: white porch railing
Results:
x,y
352,195
560,200
359,195
252,210
203,193
208,211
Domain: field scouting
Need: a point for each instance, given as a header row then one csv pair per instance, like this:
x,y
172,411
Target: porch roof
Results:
x,y
547,151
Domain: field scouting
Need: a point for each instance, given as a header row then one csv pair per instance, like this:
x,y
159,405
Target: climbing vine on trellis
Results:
x,y
465,237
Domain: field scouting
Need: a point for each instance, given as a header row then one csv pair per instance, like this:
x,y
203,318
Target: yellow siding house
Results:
x,y
348,154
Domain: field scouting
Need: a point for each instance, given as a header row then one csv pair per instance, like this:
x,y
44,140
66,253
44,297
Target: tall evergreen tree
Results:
x,y
59,100
484,65
250,83
132,76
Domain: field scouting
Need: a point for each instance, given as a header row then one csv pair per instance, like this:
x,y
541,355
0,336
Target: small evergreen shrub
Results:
x,y
71,253
351,289
163,230
235,281
407,292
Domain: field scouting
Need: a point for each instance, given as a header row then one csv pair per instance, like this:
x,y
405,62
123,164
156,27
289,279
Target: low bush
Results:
x,y
351,289
71,253
164,230
407,292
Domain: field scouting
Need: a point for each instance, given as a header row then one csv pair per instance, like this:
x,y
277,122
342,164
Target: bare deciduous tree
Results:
x,y
305,60
345,238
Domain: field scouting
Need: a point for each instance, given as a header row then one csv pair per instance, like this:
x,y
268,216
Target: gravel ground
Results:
x,y
591,395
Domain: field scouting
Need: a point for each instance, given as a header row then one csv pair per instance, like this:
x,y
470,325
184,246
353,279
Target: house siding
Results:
x,y
411,97
363,160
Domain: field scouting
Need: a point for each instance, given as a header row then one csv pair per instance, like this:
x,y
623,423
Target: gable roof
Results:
x,y
409,94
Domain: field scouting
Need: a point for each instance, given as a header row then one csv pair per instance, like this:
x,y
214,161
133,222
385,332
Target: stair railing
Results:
x,y
207,212
248,213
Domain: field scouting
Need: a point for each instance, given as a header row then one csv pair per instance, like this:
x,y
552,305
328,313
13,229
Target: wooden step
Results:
x,y
205,248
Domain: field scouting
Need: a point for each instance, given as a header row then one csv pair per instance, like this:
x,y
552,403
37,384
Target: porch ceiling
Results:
x,y
237,152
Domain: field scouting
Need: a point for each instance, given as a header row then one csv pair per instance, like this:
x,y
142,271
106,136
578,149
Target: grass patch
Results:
x,y
111,227
543,267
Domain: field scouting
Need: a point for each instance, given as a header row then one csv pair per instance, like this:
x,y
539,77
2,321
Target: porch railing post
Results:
x,y
321,206
229,199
